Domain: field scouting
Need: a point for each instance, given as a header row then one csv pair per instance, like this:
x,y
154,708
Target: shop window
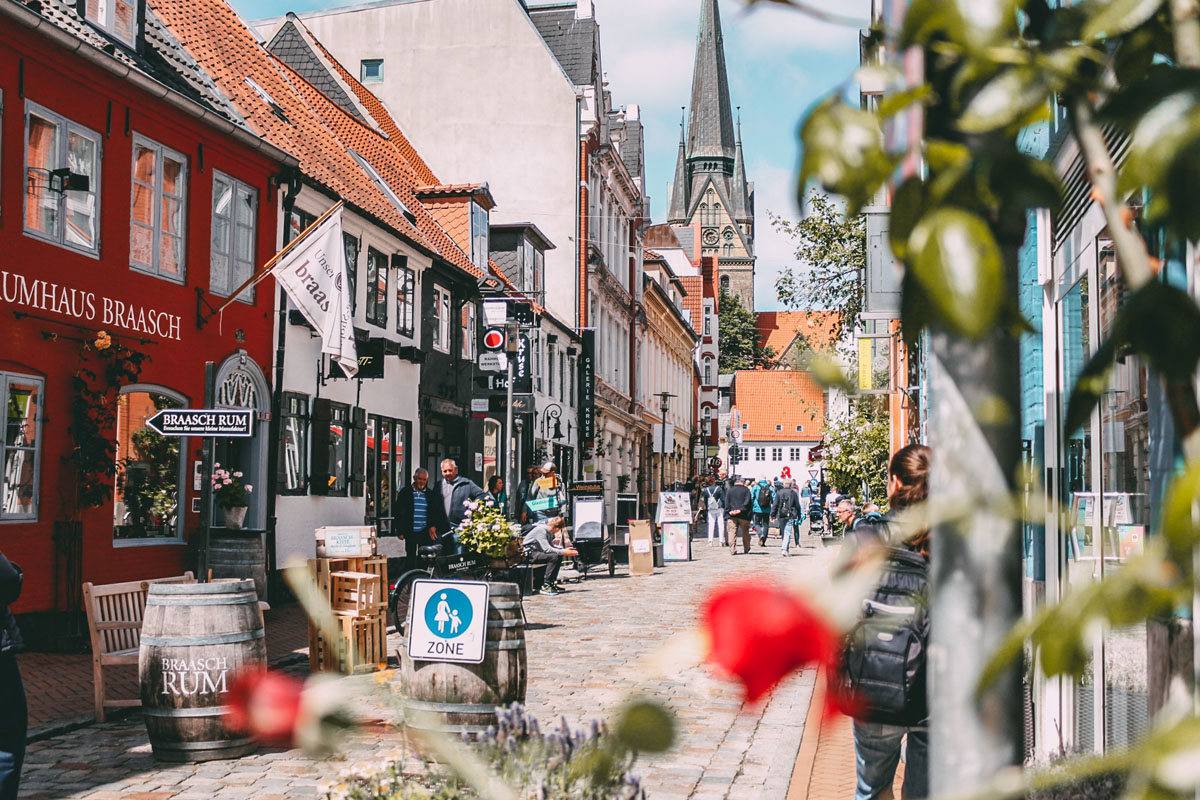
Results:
x,y
117,18
233,232
386,467
377,287
149,469
467,316
350,245
62,180
293,445
20,449
406,296
157,210
337,449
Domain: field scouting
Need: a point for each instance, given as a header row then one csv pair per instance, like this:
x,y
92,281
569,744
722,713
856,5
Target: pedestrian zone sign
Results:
x,y
448,621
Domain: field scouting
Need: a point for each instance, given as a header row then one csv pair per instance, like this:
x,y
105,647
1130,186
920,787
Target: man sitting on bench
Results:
x,y
539,549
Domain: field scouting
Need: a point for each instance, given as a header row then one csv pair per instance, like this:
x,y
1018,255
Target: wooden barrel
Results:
x,y
195,638
236,553
464,697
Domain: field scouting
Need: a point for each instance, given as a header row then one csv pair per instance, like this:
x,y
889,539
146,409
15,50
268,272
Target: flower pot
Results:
x,y
234,517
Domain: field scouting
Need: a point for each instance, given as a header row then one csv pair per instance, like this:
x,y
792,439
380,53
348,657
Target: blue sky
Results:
x,y
779,63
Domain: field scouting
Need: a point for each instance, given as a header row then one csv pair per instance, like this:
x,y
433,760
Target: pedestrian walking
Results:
x,y
456,491
522,495
14,714
831,500
714,507
786,509
419,519
547,496
764,496
876,675
540,549
739,507
847,514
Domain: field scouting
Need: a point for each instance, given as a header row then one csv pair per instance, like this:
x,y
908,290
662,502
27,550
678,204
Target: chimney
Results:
x,y
584,10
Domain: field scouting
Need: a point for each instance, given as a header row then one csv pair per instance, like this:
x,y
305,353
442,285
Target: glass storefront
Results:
x,y
146,493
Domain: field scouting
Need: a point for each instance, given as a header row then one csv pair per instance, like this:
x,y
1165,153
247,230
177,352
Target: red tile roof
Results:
x,y
777,329
693,301
307,124
650,255
661,236
779,397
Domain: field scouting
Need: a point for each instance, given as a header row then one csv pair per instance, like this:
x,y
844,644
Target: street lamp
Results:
x,y
664,399
552,415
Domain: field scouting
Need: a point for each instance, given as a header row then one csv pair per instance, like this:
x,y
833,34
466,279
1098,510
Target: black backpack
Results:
x,y
883,666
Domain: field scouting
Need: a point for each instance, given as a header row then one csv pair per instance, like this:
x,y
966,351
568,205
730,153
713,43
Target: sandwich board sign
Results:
x,y
448,621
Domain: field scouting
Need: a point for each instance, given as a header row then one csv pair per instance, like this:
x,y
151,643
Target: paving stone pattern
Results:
x,y
586,648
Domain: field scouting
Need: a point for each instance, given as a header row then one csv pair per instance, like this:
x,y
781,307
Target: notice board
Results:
x,y
641,547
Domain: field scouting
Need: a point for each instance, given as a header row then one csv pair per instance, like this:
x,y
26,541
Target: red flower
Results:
x,y
266,705
760,632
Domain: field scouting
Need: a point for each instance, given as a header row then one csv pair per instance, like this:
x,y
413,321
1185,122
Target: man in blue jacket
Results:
x,y
455,491
764,498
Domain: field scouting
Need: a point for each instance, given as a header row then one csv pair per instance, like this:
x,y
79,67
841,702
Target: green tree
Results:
x,y
831,249
857,451
737,334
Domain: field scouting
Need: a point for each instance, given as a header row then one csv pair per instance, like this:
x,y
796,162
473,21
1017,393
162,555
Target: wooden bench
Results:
x,y
114,616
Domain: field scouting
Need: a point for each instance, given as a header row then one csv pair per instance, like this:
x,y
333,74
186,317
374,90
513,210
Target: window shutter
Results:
x,y
320,447
358,448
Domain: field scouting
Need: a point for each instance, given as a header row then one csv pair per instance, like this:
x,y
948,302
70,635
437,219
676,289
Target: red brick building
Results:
x,y
132,199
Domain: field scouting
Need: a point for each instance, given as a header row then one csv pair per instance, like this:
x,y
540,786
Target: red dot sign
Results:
x,y
493,339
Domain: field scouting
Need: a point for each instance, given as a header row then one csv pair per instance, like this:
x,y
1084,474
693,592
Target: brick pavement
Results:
x,y
59,686
585,648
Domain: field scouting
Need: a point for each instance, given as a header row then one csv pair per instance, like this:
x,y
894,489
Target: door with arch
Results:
x,y
240,384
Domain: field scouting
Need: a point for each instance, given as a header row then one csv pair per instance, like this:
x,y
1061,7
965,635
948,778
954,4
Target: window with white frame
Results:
x,y
62,180
441,319
118,18
707,371
20,448
550,372
479,237
467,317
777,454
157,210
528,267
406,296
370,70
795,453
351,245
707,323
235,207
760,454
377,287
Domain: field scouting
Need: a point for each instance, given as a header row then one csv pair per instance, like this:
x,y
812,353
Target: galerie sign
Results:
x,y
83,306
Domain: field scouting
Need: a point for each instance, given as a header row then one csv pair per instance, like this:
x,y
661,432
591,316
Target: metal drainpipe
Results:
x,y
292,176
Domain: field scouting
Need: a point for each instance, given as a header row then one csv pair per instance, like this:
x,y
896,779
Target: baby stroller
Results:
x,y
816,519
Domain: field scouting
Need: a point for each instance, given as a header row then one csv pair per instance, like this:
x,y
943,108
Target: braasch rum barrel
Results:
x,y
195,638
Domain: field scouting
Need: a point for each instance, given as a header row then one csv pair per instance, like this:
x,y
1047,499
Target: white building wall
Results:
x,y
769,468
481,97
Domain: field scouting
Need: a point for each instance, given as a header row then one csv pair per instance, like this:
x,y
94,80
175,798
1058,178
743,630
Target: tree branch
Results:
x,y
1185,28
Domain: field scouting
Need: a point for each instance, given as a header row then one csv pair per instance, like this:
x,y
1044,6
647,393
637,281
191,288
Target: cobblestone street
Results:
x,y
586,648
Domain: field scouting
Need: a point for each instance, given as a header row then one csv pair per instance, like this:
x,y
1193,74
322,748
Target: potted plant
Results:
x,y
486,531
231,495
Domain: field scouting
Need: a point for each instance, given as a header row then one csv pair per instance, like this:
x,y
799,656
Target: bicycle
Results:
x,y
463,566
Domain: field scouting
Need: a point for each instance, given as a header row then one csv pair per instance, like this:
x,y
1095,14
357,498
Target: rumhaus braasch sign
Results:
x,y
87,307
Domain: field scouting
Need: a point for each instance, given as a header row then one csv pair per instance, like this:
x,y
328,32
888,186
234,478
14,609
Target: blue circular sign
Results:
x,y
448,613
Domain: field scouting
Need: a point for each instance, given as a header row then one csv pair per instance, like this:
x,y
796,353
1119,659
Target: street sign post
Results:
x,y
214,422
448,621
714,462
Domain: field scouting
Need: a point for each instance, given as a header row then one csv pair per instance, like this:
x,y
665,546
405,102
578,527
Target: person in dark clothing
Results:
x,y
14,714
786,509
764,496
454,492
522,495
419,518
739,506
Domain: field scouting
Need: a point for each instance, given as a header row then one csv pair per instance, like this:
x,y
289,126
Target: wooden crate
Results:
x,y
357,594
367,631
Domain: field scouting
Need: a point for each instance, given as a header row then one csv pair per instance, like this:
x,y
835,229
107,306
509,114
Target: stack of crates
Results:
x,y
356,589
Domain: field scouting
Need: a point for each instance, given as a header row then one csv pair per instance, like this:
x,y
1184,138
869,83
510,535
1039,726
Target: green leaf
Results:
x,y
954,256
941,154
1181,518
1152,86
1162,323
925,18
894,103
1160,134
1089,387
914,309
1182,204
908,204
1023,182
1005,99
830,373
1111,18
646,727
843,151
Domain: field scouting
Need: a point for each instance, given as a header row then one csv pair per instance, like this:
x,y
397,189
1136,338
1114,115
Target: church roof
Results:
x,y
710,122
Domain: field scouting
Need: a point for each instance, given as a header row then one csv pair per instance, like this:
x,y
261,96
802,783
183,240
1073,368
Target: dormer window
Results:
x,y
479,237
117,18
381,184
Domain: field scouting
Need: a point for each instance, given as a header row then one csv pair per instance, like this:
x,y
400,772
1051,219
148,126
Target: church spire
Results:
x,y
710,127
678,208
741,197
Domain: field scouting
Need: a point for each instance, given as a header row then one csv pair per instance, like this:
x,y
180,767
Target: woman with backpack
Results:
x,y
884,662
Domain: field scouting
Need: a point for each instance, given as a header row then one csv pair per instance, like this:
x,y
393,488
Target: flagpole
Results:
x,y
262,272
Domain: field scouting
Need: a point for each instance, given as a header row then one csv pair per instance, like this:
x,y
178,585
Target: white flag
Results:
x,y
313,274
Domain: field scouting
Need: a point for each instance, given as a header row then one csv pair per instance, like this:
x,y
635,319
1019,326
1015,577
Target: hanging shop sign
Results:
x,y
522,370
217,422
87,307
587,387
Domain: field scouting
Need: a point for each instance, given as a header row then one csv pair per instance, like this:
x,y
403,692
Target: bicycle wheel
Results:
x,y
402,597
